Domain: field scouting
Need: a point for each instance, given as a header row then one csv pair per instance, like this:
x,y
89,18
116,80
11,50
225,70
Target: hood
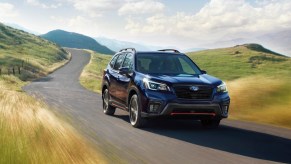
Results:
x,y
202,79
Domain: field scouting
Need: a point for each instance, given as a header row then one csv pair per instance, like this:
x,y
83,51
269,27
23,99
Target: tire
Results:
x,y
107,108
135,113
211,123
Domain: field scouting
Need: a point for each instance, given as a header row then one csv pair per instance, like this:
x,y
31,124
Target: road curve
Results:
x,y
164,141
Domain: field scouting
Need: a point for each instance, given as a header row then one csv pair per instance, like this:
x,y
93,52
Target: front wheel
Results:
x,y
107,108
211,123
135,113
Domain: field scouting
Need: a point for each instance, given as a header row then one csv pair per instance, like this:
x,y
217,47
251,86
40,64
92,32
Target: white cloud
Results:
x,y
7,11
95,8
44,5
218,19
141,7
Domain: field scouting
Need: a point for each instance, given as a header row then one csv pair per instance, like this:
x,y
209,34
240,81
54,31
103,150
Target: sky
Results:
x,y
179,23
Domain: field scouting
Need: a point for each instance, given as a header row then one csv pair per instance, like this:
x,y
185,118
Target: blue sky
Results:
x,y
184,24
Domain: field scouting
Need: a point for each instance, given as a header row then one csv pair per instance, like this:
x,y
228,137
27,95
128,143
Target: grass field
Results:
x,y
261,99
29,131
36,55
91,77
240,61
259,81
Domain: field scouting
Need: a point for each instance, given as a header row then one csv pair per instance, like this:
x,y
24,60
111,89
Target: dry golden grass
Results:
x,y
30,133
261,99
91,77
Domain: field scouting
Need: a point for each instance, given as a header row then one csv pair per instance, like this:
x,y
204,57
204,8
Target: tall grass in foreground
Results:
x,y
30,133
261,99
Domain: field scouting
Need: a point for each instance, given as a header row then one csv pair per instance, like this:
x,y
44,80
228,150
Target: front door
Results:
x,y
114,79
124,80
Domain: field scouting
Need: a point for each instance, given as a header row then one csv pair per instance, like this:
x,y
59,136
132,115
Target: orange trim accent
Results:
x,y
176,113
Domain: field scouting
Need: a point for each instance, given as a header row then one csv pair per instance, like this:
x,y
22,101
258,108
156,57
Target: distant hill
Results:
x,y
279,41
38,54
117,45
75,40
260,48
242,61
194,49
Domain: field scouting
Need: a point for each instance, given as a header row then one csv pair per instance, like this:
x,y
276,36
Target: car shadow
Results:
x,y
225,138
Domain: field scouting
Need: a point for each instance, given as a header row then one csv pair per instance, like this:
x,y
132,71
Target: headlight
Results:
x,y
155,85
221,88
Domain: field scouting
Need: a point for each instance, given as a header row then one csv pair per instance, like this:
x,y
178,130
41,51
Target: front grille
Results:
x,y
184,92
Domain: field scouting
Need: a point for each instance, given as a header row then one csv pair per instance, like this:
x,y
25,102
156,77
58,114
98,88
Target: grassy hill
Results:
x,y
241,61
30,132
75,40
37,55
258,79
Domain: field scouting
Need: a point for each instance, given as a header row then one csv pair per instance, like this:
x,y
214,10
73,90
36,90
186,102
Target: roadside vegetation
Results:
x,y
241,61
34,55
91,77
259,80
29,131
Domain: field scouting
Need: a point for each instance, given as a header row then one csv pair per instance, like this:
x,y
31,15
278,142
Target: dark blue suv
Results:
x,y
164,83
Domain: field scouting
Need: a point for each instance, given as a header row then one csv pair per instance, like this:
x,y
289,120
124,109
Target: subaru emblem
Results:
x,y
194,88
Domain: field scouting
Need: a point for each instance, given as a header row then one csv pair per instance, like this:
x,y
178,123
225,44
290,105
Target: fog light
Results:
x,y
154,108
224,110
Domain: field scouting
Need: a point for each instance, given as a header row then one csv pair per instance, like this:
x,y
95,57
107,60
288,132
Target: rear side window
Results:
x,y
128,61
113,60
119,61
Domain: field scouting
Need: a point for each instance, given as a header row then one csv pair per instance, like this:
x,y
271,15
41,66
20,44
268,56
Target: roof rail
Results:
x,y
176,51
125,49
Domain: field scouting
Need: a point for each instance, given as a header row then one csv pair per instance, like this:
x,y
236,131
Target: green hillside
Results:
x,y
75,40
259,81
30,131
35,55
241,61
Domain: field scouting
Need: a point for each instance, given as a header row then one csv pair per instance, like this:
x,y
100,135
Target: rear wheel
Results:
x,y
135,113
211,123
107,108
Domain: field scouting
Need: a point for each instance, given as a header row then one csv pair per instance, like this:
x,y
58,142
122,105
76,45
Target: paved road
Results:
x,y
165,141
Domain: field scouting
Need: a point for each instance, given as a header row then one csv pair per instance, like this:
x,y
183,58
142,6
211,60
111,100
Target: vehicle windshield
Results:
x,y
166,64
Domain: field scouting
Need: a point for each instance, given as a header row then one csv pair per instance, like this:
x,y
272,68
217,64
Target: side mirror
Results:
x,y
203,72
124,71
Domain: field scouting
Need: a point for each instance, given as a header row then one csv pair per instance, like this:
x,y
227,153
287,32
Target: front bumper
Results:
x,y
170,106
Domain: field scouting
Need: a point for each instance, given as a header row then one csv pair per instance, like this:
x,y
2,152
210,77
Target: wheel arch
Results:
x,y
104,86
131,92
